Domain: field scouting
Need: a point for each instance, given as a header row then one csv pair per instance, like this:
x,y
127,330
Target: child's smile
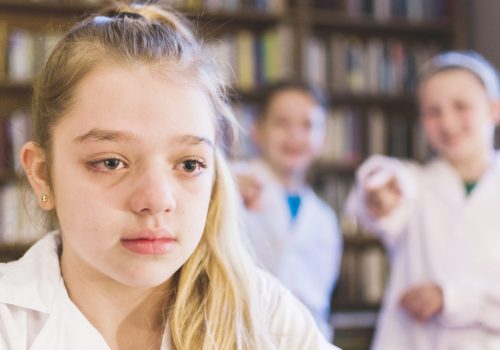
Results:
x,y
456,114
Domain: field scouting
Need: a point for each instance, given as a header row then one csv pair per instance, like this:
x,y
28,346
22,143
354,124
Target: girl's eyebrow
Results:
x,y
101,135
193,140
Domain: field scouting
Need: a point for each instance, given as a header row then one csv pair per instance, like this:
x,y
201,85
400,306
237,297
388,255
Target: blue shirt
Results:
x,y
293,204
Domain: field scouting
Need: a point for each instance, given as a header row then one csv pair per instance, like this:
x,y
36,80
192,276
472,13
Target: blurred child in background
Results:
x,y
440,222
294,233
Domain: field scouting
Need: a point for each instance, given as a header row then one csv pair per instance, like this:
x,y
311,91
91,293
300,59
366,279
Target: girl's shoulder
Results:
x,y
291,325
31,281
28,288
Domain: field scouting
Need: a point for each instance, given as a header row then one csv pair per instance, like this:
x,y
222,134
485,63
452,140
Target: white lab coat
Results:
x,y
37,314
438,234
304,255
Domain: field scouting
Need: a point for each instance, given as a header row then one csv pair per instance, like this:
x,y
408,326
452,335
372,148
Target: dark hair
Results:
x,y
278,87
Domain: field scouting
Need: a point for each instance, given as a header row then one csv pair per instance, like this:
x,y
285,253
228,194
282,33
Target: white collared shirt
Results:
x,y
439,234
36,312
304,254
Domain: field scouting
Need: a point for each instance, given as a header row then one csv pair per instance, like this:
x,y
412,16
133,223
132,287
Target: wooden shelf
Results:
x,y
345,305
405,101
8,176
241,17
335,20
354,339
24,88
256,95
321,168
47,8
338,99
361,240
382,100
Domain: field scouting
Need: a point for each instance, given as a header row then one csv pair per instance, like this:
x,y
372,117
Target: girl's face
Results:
x,y
457,115
132,173
291,134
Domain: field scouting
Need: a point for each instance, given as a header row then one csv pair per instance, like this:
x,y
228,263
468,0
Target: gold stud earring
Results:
x,y
44,198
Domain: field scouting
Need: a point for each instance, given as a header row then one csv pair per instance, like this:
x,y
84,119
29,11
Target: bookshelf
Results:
x,y
331,43
365,54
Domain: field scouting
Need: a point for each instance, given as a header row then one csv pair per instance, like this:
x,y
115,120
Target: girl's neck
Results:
x,y
473,168
126,317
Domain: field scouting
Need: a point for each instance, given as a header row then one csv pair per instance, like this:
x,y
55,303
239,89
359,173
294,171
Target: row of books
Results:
x,y
23,52
362,277
353,134
244,147
250,59
335,190
274,6
271,6
195,5
348,64
21,221
15,130
246,59
415,10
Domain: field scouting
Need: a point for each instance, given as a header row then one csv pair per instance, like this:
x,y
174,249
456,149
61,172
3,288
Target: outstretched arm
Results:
x,y
382,198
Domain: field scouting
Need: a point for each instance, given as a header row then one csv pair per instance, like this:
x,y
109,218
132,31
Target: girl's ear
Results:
x,y
33,161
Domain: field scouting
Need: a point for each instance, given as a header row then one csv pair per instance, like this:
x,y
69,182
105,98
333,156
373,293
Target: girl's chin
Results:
x,y
458,156
141,283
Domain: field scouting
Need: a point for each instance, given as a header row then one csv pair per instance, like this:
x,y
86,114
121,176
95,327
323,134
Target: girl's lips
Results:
x,y
150,246
293,152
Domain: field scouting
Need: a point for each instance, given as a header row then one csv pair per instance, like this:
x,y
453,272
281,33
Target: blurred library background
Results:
x,y
363,53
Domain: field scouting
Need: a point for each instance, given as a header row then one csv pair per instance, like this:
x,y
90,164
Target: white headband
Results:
x,y
470,61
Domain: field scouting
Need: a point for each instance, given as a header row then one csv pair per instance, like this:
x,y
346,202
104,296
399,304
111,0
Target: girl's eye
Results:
x,y
193,166
109,164
280,122
190,165
431,112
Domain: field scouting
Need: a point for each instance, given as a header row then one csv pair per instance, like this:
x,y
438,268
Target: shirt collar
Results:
x,y
32,281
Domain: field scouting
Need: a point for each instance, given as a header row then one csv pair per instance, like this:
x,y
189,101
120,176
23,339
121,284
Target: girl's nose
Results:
x,y
153,192
297,131
448,120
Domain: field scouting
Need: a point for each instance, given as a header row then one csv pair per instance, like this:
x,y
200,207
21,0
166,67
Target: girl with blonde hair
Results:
x,y
128,124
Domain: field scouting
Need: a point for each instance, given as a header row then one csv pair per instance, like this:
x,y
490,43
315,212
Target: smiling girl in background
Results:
x,y
128,117
295,234
440,222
